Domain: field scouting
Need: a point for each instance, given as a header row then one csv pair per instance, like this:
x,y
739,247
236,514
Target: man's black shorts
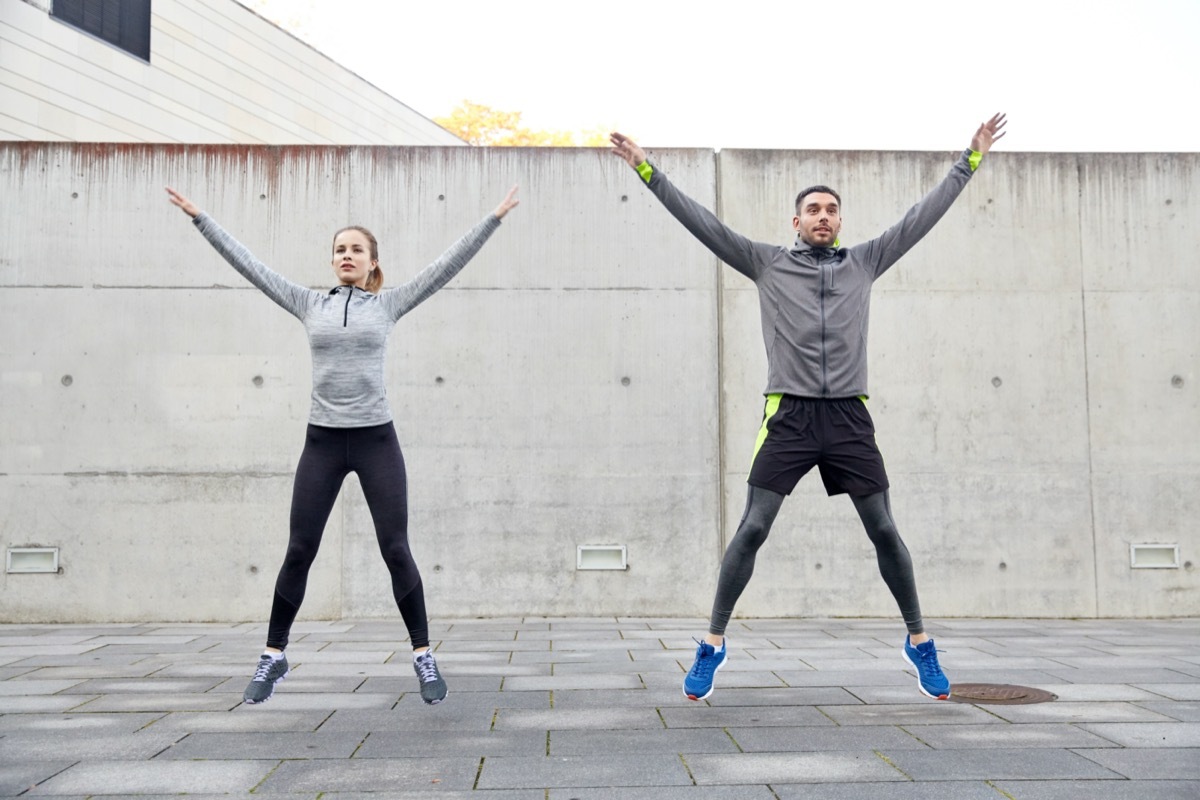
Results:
x,y
836,436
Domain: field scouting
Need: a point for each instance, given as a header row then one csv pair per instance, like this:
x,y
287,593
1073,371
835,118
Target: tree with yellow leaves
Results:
x,y
488,127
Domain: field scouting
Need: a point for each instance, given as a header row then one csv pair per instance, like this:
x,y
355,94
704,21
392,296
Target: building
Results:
x,y
200,71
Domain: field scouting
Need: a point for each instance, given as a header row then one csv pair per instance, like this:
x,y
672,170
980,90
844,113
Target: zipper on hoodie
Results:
x,y
346,312
824,375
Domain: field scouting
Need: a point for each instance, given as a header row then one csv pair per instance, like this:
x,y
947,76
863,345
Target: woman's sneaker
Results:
x,y
698,684
433,686
930,679
270,671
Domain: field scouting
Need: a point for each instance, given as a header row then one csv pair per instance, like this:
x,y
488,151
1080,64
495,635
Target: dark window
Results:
x,y
125,23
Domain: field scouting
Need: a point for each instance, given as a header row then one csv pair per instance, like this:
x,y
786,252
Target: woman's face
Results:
x,y
352,258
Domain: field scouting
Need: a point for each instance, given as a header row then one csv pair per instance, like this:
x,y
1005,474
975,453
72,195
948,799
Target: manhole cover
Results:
x,y
999,694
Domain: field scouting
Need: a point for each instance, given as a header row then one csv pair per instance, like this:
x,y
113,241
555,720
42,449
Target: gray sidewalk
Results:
x,y
591,708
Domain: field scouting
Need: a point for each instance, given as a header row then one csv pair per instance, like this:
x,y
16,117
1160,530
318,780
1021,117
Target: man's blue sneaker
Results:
x,y
930,679
698,684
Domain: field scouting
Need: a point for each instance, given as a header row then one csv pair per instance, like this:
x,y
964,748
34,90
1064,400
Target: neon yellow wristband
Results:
x,y
645,170
974,159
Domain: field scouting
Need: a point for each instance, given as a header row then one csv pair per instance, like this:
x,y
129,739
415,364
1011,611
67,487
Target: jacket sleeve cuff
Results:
x,y
974,158
645,170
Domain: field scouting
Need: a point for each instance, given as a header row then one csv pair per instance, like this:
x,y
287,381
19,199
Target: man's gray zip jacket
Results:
x,y
348,327
815,302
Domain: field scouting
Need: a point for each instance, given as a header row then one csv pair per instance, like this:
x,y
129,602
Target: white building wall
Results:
x,y
218,74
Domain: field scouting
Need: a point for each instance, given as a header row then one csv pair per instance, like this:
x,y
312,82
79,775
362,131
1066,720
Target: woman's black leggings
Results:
x,y
329,455
762,505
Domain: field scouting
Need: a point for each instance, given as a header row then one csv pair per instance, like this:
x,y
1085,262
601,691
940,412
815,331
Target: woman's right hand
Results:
x,y
179,200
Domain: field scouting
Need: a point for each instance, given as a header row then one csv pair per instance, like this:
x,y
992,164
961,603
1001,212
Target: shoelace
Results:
x,y
705,664
427,669
930,662
264,668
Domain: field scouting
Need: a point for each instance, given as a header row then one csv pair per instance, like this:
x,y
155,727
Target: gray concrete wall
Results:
x,y
593,377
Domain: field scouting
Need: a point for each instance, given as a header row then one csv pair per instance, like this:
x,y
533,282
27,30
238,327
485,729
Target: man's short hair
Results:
x,y
812,190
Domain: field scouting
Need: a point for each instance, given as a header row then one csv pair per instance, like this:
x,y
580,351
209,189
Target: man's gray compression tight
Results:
x,y
762,505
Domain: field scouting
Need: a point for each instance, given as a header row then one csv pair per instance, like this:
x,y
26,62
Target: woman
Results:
x,y
350,426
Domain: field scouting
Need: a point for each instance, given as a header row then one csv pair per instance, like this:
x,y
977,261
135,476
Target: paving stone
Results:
x,y
1097,692
444,744
853,677
284,699
253,719
947,790
824,695
968,737
372,775
583,771
553,682
16,778
480,700
42,703
725,680
77,745
623,742
1136,677
1184,712
41,651
429,718
996,764
1172,691
772,768
1100,790
823,737
158,702
578,719
163,686
1076,712
457,683
697,715
151,777
613,698
1149,734
430,794
97,671
1149,763
278,745
665,793
929,713
94,724
34,687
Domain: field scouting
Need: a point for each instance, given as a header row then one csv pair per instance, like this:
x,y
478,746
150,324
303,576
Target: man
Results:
x,y
814,299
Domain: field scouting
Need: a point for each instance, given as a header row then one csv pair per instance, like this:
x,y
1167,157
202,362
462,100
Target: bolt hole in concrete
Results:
x,y
262,197
624,198
67,380
625,381
253,570
258,381
74,195
999,694
437,567
441,197
1003,566
996,382
1177,381
439,379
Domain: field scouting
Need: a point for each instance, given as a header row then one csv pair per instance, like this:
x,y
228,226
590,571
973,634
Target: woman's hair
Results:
x,y
375,279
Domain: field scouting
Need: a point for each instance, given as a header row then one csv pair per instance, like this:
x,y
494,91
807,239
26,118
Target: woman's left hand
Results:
x,y
509,202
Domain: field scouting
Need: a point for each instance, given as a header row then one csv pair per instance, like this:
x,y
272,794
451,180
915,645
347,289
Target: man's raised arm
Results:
x,y
884,251
746,256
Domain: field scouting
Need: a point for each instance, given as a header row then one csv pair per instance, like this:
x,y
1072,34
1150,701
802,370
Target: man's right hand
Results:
x,y
627,149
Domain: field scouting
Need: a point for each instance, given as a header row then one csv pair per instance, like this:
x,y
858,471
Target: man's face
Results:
x,y
819,219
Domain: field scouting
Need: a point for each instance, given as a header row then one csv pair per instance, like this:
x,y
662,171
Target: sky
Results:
x,y
1073,76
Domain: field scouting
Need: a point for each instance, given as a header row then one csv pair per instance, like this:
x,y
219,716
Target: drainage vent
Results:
x,y
1000,694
